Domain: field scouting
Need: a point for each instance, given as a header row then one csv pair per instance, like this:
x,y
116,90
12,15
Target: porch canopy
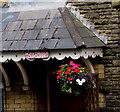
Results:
x,y
46,34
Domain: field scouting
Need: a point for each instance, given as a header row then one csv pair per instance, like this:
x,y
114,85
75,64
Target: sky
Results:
x,y
59,0
23,5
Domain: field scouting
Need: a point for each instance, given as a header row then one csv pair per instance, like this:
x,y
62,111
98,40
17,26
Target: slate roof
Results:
x,y
44,29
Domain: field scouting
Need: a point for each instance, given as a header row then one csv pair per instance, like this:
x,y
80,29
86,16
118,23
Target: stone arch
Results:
x,y
6,78
24,75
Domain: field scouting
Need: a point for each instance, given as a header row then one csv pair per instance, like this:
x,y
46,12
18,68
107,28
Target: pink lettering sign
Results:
x,y
37,55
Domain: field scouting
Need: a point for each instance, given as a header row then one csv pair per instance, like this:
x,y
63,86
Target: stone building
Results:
x,y
34,44
105,18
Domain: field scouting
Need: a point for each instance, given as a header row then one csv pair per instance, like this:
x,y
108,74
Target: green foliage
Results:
x,y
108,51
102,22
116,4
92,15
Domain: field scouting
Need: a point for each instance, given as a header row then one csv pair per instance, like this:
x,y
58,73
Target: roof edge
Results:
x,y
71,27
77,14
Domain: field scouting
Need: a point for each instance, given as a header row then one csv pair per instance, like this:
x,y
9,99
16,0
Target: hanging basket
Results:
x,y
73,79
74,103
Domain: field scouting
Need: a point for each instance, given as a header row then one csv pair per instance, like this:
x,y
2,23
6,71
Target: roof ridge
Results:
x,y
71,27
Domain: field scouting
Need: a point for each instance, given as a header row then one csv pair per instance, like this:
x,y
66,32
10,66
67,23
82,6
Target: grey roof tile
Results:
x,y
28,24
58,23
65,44
24,16
19,35
6,35
0,26
12,35
3,35
10,16
13,25
53,14
43,23
30,34
49,44
3,26
44,29
6,45
1,46
33,15
62,33
33,44
41,14
46,33
44,44
0,36
18,45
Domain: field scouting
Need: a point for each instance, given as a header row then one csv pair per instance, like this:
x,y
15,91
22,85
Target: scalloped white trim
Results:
x,y
75,54
58,54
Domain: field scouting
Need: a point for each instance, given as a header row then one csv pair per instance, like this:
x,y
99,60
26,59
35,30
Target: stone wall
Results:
x,y
16,101
105,17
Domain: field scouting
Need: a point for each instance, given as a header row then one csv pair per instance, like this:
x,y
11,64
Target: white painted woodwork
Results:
x,y
24,75
6,78
88,64
58,54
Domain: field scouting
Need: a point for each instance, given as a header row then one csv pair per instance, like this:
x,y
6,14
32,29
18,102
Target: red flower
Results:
x,y
76,70
88,68
62,66
60,72
69,68
58,77
67,72
69,79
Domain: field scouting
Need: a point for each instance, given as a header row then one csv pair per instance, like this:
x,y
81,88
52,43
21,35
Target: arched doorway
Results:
x,y
60,102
